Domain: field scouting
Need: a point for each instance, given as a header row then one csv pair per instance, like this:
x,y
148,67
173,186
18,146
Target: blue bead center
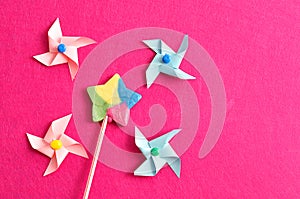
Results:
x,y
166,58
61,48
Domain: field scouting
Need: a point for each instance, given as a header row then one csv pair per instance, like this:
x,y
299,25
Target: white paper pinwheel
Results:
x,y
63,49
158,152
56,145
166,60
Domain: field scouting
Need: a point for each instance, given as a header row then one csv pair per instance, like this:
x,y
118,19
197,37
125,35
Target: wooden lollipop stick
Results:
x,y
95,158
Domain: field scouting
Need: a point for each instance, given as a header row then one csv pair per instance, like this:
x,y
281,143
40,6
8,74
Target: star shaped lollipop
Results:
x,y
112,99
158,152
63,49
166,60
56,145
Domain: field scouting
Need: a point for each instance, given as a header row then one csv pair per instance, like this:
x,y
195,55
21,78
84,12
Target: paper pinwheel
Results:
x,y
63,49
158,152
166,60
112,99
56,145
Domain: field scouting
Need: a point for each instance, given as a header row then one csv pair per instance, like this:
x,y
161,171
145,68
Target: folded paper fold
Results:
x,y
166,60
157,152
56,145
63,49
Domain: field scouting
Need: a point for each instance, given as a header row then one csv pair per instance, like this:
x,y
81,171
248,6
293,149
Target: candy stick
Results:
x,y
95,158
112,101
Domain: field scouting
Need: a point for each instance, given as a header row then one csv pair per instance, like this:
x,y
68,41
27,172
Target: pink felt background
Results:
x,y
255,45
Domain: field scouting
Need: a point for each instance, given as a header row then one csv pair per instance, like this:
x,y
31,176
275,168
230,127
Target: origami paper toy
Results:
x,y
63,49
112,99
56,145
166,60
158,152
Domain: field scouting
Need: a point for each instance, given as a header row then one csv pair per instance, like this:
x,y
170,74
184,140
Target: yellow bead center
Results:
x,y
56,144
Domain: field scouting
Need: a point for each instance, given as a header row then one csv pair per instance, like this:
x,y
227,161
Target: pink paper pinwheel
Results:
x,y
63,49
56,145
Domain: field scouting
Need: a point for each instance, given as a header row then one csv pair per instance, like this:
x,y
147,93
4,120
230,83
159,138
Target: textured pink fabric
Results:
x,y
255,45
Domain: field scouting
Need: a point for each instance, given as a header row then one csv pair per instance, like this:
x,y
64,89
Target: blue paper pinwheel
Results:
x,y
158,152
166,60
